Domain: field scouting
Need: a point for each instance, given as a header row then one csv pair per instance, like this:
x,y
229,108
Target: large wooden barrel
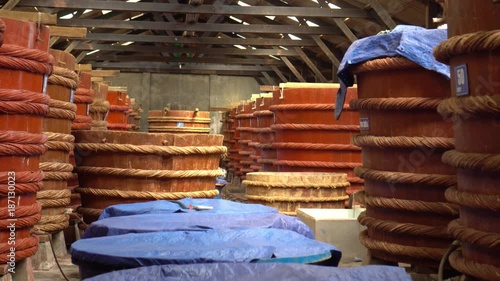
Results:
x,y
127,167
473,53
134,117
403,139
83,98
243,117
289,191
307,136
234,156
23,105
55,195
99,108
227,122
265,119
255,156
179,121
117,117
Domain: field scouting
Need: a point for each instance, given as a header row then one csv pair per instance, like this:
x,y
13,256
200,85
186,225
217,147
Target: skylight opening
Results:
x,y
271,17
235,19
333,6
128,43
310,23
93,52
104,12
87,11
68,16
240,47
293,37
133,1
284,48
241,36
443,26
293,18
245,23
274,57
136,16
241,3
253,48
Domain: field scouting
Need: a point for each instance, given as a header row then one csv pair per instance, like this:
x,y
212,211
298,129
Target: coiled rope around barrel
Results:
x,y
283,185
316,164
405,178
262,113
32,60
61,110
16,101
168,119
151,149
99,125
17,143
309,107
82,122
318,127
26,182
151,174
160,129
403,228
401,250
147,195
482,41
468,235
396,104
99,106
471,268
26,216
25,247
120,108
472,161
314,146
403,142
383,64
441,208
64,77
470,107
273,199
83,95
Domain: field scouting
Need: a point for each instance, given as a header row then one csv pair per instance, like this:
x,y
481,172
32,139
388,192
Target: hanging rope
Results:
x,y
396,104
403,142
482,41
64,77
16,101
32,60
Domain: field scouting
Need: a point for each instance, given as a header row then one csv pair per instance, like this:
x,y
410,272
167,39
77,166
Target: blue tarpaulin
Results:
x,y
412,42
198,221
212,246
165,207
256,272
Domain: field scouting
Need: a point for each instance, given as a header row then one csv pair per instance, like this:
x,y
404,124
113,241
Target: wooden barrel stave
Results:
x,y
468,16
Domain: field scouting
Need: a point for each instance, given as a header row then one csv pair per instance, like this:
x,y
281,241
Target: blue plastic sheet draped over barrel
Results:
x,y
253,272
212,246
198,221
164,207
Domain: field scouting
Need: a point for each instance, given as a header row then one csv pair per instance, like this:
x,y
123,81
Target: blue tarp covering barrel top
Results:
x,y
190,247
256,272
220,206
194,221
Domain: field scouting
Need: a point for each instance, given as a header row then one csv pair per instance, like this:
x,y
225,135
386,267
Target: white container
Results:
x,y
338,227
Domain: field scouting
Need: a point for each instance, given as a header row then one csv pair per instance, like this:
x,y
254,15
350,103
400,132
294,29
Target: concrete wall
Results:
x,y
156,91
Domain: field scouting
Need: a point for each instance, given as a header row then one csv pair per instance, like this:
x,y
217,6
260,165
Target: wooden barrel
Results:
x,y
474,109
234,136
289,191
55,195
117,116
403,139
243,117
179,121
469,16
99,108
83,98
227,122
22,108
307,136
126,167
265,119
135,115
255,156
